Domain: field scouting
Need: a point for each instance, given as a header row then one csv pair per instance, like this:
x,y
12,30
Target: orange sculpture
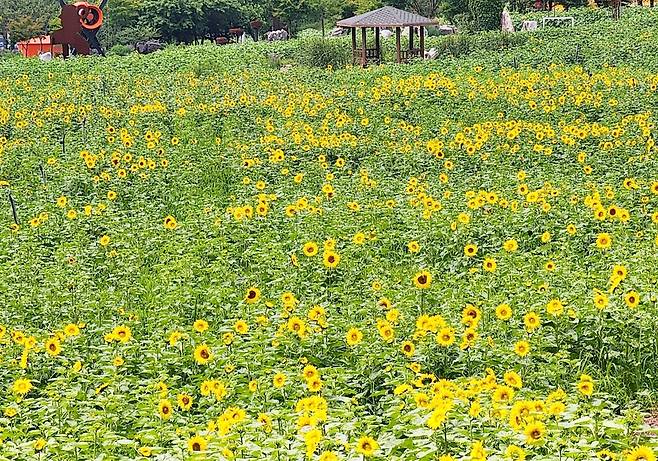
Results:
x,y
81,22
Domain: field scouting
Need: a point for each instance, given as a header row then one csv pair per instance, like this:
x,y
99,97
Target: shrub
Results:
x,y
274,61
308,34
120,50
463,21
486,14
319,52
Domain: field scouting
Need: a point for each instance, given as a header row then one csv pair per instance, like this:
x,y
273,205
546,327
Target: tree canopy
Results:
x,y
188,21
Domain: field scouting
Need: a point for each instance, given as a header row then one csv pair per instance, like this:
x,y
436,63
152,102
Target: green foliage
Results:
x,y
307,34
452,9
27,18
463,44
320,52
25,27
120,50
128,36
361,6
486,14
254,164
427,8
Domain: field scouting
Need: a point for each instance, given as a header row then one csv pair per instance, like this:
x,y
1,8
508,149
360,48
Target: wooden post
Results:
x,y
353,45
411,37
364,58
377,44
397,44
421,31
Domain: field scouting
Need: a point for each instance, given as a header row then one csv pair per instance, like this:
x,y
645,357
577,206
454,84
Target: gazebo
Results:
x,y
386,17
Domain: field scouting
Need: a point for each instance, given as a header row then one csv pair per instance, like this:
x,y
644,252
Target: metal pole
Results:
x,y
13,208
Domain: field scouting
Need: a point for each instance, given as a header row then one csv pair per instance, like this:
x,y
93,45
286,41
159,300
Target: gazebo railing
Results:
x,y
372,55
407,55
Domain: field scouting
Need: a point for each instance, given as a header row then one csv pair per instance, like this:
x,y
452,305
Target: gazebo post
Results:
x,y
364,58
411,37
377,44
421,31
397,44
353,45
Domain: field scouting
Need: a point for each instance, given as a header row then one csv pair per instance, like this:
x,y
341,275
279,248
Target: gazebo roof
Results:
x,y
387,16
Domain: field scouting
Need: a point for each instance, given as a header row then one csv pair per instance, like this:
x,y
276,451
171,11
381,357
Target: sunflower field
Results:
x,y
204,257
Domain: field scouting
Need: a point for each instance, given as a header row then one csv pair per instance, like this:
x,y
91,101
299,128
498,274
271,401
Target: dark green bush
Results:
x,y
486,14
320,52
120,50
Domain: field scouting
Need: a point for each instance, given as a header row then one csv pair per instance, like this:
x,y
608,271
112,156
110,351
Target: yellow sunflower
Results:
x,y
534,433
252,296
366,446
197,444
422,280
330,259
641,453
353,336
170,223
202,354
165,409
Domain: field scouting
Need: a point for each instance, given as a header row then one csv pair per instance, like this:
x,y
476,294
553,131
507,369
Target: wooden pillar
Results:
x,y
421,31
364,58
353,45
397,44
411,37
377,44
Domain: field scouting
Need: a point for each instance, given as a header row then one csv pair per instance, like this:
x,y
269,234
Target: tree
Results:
x,y
220,15
24,28
454,8
326,9
289,11
190,20
486,14
361,6
26,18
175,20
427,8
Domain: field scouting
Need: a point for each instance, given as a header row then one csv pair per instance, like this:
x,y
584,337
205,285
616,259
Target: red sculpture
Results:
x,y
81,22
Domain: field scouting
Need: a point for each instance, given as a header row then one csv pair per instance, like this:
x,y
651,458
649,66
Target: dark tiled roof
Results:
x,y
386,17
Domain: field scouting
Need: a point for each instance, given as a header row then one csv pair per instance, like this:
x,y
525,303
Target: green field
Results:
x,y
215,258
